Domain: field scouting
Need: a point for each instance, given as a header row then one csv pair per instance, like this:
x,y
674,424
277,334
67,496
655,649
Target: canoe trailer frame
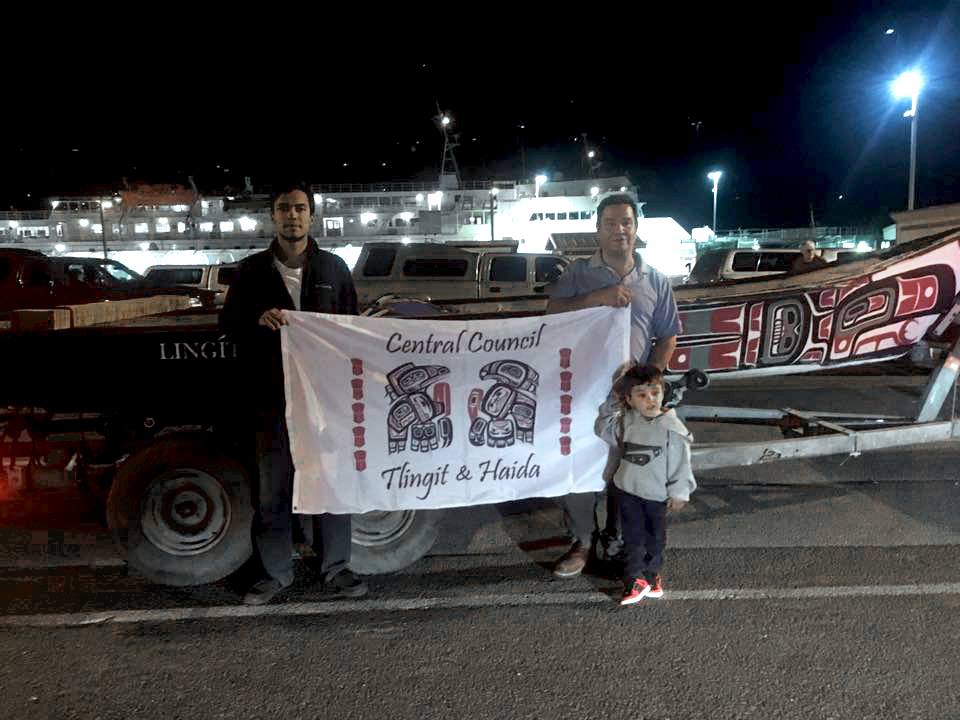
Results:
x,y
812,434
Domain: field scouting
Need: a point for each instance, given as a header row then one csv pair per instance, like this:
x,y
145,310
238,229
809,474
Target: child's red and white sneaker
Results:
x,y
635,592
656,589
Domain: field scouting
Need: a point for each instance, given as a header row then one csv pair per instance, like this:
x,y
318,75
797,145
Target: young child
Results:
x,y
653,475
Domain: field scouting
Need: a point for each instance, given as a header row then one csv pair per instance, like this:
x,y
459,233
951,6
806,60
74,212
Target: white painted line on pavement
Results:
x,y
457,602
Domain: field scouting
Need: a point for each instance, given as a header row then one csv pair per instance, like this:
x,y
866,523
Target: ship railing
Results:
x,y
8,215
406,187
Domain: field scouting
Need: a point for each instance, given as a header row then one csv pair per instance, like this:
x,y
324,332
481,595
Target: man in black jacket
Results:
x,y
292,274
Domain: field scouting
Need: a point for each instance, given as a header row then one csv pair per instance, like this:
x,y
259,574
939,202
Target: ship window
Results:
x,y
379,262
206,227
141,228
508,269
333,226
226,226
435,267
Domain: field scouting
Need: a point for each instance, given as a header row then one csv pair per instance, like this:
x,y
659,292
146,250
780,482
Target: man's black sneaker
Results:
x,y
263,592
345,584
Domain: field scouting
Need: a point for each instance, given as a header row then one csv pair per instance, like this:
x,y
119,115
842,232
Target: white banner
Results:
x,y
387,414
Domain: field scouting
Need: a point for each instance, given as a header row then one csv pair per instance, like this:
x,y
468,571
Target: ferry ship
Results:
x,y
173,224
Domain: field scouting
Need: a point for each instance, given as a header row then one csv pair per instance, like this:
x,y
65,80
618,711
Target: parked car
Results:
x,y
30,279
216,278
741,263
724,264
435,271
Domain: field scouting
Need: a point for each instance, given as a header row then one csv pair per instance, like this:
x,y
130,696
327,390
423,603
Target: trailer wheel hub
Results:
x,y
185,512
381,528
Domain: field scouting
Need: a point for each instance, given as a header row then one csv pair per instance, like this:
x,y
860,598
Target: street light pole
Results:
x,y
493,209
103,229
715,176
908,85
912,198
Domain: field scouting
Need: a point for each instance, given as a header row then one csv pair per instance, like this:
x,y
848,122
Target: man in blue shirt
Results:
x,y
616,276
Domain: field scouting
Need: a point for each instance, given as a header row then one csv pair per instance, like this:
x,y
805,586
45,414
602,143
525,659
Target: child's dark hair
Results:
x,y
637,375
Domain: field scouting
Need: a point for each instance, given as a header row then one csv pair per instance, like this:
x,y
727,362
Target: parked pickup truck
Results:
x,y
30,279
434,271
215,278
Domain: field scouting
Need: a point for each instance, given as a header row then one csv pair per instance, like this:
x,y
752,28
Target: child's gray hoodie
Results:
x,y
653,461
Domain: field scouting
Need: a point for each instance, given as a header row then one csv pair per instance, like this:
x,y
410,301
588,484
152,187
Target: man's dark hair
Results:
x,y
616,199
288,186
637,375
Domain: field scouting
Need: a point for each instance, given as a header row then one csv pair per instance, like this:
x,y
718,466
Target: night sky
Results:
x,y
792,104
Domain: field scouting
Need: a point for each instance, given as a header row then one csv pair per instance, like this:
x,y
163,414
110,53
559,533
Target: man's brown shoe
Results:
x,y
572,564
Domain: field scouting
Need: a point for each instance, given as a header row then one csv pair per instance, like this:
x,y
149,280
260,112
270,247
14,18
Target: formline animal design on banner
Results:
x,y
413,414
506,412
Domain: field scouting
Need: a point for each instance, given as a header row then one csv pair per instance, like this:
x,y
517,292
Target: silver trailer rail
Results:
x,y
813,434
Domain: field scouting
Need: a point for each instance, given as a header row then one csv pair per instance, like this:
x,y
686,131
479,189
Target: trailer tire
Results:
x,y
180,511
384,542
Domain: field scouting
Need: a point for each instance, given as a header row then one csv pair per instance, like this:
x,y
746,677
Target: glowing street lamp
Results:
x,y
494,191
908,86
539,180
715,177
